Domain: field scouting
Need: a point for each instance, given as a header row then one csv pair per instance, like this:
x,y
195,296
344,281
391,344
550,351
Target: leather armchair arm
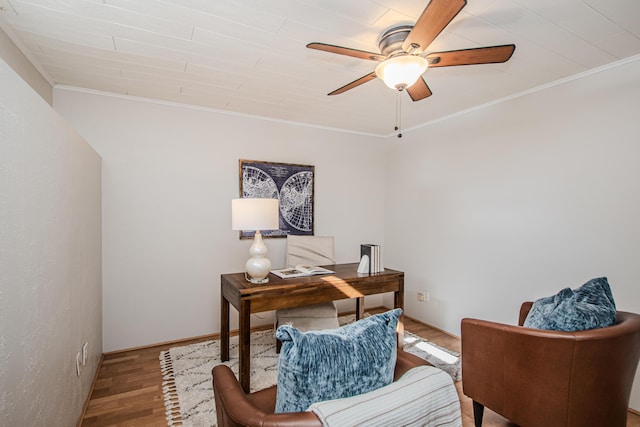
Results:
x,y
525,308
406,361
234,408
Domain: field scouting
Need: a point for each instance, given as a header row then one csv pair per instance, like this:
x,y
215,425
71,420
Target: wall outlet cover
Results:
x,y
84,353
78,363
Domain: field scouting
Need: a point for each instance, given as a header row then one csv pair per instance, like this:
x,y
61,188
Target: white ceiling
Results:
x,y
249,56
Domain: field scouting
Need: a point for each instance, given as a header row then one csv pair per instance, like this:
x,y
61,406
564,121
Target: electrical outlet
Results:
x,y
84,353
78,363
424,296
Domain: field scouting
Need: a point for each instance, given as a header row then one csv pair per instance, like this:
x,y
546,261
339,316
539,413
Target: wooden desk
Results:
x,y
279,293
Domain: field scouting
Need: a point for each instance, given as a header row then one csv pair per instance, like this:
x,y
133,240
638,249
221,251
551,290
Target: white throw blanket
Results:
x,y
423,396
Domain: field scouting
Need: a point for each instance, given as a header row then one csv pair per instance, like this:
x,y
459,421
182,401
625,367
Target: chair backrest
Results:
x,y
310,250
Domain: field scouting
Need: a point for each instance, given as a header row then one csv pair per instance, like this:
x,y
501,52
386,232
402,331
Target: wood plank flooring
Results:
x,y
128,386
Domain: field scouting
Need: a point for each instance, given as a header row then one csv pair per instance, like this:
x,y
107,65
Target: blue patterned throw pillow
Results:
x,y
320,365
588,307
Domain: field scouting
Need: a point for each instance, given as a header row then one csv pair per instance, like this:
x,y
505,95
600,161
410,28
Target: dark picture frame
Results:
x,y
294,186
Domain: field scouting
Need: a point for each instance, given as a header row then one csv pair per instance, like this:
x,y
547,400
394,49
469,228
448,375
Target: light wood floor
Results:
x,y
128,388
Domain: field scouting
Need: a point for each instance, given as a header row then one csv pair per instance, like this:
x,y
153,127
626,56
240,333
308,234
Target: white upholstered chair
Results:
x,y
309,250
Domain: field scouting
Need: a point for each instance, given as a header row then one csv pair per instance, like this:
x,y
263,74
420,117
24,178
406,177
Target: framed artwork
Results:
x,y
291,184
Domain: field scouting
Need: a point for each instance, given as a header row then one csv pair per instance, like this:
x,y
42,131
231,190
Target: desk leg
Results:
x,y
224,329
359,308
398,302
245,345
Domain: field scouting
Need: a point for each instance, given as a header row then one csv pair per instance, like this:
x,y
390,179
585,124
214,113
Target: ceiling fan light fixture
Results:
x,y
401,72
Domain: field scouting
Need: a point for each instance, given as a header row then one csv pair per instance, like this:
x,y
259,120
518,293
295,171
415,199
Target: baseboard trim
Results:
x,y
214,336
233,332
183,341
433,327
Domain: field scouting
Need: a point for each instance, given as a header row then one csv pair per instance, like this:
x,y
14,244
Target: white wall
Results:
x,y
50,260
169,174
515,201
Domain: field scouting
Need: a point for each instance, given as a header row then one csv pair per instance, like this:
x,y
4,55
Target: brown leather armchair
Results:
x,y
235,408
550,378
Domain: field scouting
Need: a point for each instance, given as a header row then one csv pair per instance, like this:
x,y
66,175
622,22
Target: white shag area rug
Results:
x,y
187,384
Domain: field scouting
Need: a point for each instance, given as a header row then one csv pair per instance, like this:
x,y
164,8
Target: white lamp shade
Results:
x,y
400,72
250,214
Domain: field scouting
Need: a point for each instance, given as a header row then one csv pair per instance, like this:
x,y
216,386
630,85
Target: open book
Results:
x,y
301,271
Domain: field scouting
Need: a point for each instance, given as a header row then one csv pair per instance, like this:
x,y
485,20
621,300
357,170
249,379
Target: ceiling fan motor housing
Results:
x,y
391,40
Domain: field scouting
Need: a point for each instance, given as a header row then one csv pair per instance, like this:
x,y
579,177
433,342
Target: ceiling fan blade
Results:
x,y
362,54
419,90
353,84
435,17
479,55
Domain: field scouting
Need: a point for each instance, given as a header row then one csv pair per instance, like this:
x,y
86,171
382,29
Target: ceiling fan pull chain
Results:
x,y
398,126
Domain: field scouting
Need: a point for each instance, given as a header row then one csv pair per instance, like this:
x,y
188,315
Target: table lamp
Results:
x,y
249,214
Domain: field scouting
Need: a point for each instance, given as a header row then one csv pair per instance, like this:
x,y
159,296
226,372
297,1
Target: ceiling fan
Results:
x,y
402,48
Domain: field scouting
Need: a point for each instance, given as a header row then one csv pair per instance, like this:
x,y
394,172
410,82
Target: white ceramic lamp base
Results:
x,y
258,266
